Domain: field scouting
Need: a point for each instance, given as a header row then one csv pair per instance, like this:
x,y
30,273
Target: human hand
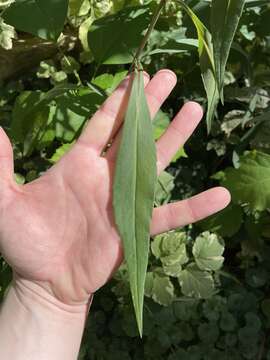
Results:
x,y
58,231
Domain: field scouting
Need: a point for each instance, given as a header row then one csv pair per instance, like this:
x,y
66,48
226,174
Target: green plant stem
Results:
x,y
75,72
148,33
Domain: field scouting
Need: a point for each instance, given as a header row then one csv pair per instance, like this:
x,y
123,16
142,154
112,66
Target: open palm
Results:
x,y
59,231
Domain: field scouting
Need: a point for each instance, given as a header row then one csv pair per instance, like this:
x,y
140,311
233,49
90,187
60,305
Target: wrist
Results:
x,y
35,325
34,293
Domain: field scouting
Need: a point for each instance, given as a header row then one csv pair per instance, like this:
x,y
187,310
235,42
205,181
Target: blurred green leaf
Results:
x,y
115,38
225,16
160,124
60,152
176,47
206,56
109,82
64,108
164,188
7,35
226,223
43,18
250,184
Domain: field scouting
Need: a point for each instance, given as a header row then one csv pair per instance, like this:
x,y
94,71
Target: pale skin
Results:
x,y
58,232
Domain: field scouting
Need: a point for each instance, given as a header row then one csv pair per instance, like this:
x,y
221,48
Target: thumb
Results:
x,y
6,157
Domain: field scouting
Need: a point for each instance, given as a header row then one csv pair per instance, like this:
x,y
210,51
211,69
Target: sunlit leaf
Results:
x,y
43,18
206,63
196,283
207,251
170,248
176,47
159,287
64,109
60,152
109,82
225,16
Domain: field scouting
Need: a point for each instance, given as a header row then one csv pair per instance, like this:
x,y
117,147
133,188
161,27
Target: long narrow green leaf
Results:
x,y
225,16
134,185
206,63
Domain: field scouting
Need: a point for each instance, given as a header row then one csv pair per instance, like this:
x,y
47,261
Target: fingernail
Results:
x,y
168,73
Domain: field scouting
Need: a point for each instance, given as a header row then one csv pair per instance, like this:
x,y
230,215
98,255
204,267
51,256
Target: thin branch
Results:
x,y
148,33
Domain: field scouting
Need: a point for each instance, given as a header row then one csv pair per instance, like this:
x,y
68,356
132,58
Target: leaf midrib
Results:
x,y
136,184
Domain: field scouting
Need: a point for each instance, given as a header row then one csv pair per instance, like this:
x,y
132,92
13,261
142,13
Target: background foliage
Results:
x,y
207,290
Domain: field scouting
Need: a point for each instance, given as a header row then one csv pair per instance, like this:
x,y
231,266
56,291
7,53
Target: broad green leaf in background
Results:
x,y
228,322
114,39
160,125
60,152
134,186
196,283
30,116
207,65
226,223
42,18
164,188
176,47
258,135
207,251
109,82
250,183
72,110
63,109
257,278
159,287
225,16
208,333
170,248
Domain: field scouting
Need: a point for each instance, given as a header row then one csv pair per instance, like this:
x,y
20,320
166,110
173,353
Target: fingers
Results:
x,y
6,158
178,133
157,91
106,121
181,213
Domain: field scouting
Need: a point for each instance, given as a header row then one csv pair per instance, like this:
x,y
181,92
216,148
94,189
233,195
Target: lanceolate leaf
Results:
x,y
175,47
225,16
206,63
43,18
134,185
